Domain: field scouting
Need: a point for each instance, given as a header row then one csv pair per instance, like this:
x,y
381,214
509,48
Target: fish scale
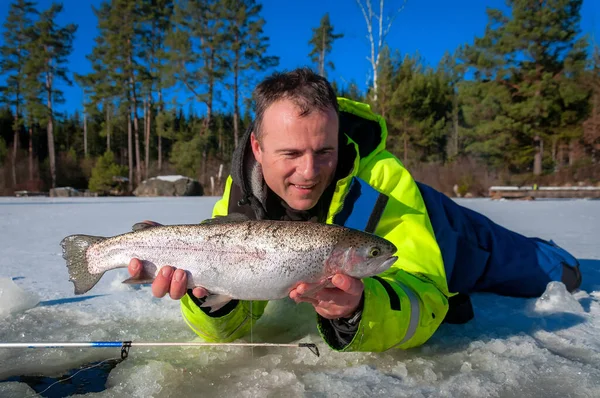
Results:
x,y
248,260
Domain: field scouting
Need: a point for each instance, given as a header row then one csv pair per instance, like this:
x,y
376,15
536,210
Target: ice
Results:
x,y
171,178
14,389
13,299
539,347
556,298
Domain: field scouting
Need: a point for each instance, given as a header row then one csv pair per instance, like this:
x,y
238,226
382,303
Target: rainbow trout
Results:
x,y
231,257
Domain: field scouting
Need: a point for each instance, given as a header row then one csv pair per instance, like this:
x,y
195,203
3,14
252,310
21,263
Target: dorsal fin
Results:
x,y
142,225
230,218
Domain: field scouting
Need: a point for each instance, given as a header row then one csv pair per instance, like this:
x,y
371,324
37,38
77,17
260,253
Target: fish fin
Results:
x,y
147,275
216,302
144,278
74,251
233,217
138,281
141,225
313,288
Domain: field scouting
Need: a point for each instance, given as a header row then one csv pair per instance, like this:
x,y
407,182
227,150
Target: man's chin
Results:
x,y
302,204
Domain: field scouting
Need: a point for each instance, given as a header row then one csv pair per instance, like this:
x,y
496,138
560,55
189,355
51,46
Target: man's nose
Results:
x,y
308,168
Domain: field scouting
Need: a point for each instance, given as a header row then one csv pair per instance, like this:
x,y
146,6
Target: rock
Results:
x,y
169,186
64,192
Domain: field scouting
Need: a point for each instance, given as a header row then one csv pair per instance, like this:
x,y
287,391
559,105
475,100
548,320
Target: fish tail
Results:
x,y
74,251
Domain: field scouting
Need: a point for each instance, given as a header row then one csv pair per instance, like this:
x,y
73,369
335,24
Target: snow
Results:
x,y
543,347
171,178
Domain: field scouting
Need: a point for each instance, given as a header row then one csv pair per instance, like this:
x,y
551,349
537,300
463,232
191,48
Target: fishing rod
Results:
x,y
126,345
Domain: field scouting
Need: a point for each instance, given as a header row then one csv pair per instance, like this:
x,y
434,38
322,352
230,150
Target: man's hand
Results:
x,y
169,280
340,301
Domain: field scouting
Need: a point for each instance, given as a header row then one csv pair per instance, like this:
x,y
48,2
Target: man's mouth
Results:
x,y
304,186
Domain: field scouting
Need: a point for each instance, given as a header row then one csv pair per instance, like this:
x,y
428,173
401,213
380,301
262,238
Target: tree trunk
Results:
x,y
146,139
15,147
322,56
138,163
537,159
555,153
236,107
129,149
572,153
51,153
148,134
136,134
31,176
160,111
85,143
108,127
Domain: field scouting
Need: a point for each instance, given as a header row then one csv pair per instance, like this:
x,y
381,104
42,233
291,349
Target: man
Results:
x,y
311,157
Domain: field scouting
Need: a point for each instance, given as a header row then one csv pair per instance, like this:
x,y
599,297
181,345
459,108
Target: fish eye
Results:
x,y
374,252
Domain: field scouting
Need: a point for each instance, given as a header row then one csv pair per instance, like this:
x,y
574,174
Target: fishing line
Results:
x,y
73,375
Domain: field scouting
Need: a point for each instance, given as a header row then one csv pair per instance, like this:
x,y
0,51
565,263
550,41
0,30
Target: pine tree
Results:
x,y
388,81
321,42
249,47
197,49
54,44
591,127
156,23
18,30
527,67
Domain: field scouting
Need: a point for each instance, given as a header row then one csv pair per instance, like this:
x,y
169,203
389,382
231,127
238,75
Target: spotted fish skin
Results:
x,y
248,260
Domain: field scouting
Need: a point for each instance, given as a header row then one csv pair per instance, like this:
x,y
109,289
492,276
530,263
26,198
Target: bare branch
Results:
x,y
392,18
370,17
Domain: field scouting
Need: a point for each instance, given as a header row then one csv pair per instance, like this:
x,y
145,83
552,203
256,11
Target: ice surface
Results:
x,y
540,347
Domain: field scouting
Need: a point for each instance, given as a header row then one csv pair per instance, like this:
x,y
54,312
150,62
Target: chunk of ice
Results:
x,y
13,299
556,299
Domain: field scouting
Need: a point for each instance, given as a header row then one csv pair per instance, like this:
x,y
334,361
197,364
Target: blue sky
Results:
x,y
429,27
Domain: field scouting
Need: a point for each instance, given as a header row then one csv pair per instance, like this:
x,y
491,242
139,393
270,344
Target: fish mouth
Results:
x,y
386,264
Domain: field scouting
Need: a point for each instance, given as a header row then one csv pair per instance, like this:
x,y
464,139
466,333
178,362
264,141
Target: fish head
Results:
x,y
361,254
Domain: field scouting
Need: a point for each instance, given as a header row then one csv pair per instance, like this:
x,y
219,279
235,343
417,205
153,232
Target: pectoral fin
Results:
x,y
216,302
147,275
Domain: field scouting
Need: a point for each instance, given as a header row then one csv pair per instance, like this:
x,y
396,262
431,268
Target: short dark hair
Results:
x,y
305,88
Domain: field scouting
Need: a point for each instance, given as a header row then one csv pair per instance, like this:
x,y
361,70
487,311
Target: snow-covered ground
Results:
x,y
546,347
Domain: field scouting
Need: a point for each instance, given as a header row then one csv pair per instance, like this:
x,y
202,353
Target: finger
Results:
x,y
298,298
308,289
200,292
162,282
178,284
348,284
134,268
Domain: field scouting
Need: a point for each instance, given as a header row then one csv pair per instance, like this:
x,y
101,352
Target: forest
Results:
x,y
517,105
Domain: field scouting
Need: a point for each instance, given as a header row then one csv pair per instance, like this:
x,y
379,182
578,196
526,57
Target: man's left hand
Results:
x,y
340,301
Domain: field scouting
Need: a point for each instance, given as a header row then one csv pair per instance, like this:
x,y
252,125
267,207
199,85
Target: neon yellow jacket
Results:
x,y
404,306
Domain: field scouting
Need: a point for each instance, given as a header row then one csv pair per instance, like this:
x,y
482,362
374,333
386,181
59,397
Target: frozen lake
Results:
x,y
547,347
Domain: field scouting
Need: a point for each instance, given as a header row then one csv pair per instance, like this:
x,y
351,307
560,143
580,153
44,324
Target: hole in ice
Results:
x,y
71,382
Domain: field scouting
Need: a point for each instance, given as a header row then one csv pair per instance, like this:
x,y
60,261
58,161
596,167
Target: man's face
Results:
x,y
298,154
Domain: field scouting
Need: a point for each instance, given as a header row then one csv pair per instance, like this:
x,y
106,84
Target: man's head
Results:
x,y
295,137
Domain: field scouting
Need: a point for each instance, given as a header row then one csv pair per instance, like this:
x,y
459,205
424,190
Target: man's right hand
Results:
x,y
169,280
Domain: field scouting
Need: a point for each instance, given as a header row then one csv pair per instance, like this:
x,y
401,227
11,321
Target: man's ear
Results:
x,y
256,150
